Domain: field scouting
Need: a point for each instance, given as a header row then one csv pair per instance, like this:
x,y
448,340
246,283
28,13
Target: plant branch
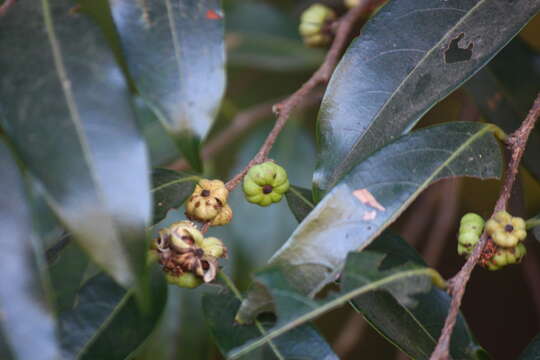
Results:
x,y
516,143
284,109
241,123
5,6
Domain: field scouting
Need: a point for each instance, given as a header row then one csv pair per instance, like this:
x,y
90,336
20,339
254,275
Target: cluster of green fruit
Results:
x,y
505,231
186,256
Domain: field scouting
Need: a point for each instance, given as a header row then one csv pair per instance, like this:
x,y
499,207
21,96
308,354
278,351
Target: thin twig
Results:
x,y
284,109
5,6
241,123
516,143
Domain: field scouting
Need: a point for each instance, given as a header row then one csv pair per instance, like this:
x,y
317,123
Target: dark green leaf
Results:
x,y
505,90
66,108
394,176
175,52
300,202
532,351
66,273
414,330
410,55
364,273
170,189
302,342
23,306
107,322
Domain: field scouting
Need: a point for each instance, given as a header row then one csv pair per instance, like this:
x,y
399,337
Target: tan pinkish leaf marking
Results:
x,y
367,198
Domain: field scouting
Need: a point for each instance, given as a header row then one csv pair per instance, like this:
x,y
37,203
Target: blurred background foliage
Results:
x,y
267,61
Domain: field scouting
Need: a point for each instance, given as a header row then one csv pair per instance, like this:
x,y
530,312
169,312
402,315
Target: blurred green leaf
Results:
x,y
67,110
107,322
505,90
534,224
300,202
532,351
260,36
413,329
170,189
364,273
23,306
395,175
410,55
175,52
302,342
66,271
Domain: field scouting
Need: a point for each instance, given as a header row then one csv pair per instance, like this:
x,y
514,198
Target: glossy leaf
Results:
x,y
299,343
170,189
300,202
532,351
414,330
394,176
505,90
107,322
175,52
364,273
23,306
410,55
66,107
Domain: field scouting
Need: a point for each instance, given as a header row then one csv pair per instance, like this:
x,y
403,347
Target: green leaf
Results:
x,y
299,343
263,37
107,322
66,272
23,305
175,52
414,330
170,190
395,175
300,202
505,96
532,351
66,107
410,55
364,273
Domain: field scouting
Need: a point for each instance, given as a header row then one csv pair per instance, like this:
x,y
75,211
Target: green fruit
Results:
x,y
186,280
312,23
265,184
506,230
468,239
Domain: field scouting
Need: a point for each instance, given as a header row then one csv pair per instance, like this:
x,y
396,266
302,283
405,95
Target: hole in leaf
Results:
x,y
454,53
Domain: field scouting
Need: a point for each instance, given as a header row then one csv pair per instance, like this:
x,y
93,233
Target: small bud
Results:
x,y
265,183
207,200
506,231
312,23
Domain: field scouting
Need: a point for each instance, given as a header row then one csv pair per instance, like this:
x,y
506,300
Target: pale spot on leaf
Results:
x,y
367,198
